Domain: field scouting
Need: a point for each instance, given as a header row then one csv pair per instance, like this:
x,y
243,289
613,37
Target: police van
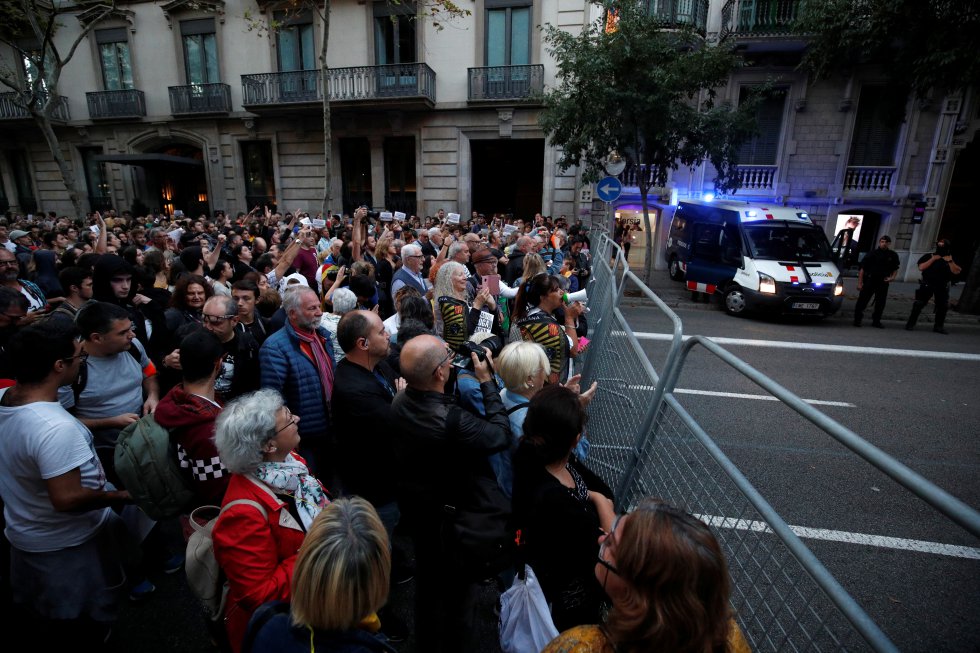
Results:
x,y
758,258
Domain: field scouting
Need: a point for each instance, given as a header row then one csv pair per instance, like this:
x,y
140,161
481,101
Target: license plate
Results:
x,y
806,306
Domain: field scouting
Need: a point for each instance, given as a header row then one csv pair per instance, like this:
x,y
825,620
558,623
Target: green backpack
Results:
x,y
146,462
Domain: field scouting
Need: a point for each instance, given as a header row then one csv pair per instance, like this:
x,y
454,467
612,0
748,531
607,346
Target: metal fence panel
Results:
x,y
645,443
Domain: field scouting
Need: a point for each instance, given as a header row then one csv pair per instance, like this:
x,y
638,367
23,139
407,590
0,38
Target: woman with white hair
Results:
x,y
341,582
271,502
343,300
458,317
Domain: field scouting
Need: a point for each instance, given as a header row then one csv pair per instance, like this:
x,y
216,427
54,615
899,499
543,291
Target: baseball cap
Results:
x,y
18,233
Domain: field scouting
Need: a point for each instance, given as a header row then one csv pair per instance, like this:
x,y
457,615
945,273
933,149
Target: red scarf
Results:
x,y
321,359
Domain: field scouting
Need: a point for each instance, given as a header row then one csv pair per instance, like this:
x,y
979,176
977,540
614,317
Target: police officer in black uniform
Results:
x,y
878,268
937,269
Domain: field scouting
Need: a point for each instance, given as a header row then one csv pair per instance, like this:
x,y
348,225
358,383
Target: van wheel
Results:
x,y
675,271
735,301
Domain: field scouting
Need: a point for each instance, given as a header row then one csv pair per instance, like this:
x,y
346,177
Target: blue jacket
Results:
x,y
287,369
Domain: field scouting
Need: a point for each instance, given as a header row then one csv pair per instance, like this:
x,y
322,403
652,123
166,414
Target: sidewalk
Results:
x,y
901,295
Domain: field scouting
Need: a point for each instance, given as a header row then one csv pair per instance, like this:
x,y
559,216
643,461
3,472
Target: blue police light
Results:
x,y
751,214
709,197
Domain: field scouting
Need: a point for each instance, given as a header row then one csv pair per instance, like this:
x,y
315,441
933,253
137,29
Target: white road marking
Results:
x,y
814,346
880,541
742,395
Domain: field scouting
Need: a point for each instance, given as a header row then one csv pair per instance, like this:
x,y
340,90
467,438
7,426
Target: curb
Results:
x,y
846,313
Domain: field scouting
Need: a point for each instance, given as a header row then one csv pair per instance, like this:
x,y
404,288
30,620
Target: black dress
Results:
x,y
560,528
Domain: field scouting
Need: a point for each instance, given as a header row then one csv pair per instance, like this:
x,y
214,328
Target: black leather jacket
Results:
x,y
442,447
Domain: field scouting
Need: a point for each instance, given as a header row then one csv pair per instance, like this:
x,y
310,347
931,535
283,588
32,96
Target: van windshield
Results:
x,y
783,241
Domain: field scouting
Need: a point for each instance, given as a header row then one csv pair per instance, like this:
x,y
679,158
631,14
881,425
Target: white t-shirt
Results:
x,y
114,386
38,442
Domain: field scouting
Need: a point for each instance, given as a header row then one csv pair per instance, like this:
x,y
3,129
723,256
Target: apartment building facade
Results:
x,y
199,105
206,105
835,148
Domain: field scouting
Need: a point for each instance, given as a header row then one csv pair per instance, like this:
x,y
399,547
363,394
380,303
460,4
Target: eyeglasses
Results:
x,y
12,263
82,357
216,319
449,355
602,547
292,420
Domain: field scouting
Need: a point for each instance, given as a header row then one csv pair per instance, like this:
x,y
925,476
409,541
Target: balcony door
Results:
x,y
200,47
395,47
114,56
297,58
508,48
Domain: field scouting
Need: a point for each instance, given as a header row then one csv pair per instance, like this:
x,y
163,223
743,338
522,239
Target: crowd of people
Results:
x,y
328,383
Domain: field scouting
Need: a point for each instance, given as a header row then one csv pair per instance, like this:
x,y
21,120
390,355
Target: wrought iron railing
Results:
x,y
200,98
757,177
672,13
506,82
760,17
128,103
13,107
869,179
633,174
413,80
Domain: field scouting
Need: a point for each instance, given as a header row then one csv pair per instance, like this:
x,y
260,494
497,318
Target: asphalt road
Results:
x,y
923,410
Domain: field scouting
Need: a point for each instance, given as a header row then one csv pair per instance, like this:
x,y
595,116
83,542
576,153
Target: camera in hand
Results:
x,y
942,249
374,214
463,360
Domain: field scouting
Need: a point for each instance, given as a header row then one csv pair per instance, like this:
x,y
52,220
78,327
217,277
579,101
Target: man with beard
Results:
x,y
298,362
9,272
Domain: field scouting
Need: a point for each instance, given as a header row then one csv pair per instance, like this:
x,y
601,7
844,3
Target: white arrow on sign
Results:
x,y
606,189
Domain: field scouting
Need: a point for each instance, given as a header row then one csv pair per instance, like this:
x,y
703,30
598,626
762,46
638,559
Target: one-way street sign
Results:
x,y
609,189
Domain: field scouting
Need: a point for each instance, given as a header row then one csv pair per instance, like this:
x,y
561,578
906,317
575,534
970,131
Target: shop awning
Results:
x,y
147,160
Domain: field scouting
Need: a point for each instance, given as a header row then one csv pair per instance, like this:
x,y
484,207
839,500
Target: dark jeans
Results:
x,y
877,288
445,600
922,297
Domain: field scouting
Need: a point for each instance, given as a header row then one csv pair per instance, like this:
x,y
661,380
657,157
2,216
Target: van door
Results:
x,y
715,255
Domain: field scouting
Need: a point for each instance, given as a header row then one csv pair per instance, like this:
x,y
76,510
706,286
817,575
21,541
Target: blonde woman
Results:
x,y
457,317
339,584
386,252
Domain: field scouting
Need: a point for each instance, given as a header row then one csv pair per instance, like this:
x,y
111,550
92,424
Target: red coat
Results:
x,y
256,554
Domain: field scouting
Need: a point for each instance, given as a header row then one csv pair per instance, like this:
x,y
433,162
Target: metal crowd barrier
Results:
x,y
644,443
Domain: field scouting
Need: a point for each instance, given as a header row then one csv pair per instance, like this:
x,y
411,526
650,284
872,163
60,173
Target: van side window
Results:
x,y
707,241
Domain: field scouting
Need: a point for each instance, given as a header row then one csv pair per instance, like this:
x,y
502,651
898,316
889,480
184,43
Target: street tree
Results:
x,y
435,11
648,90
925,47
32,64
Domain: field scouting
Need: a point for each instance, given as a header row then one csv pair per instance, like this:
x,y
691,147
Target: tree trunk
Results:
x,y
327,138
43,120
644,185
970,298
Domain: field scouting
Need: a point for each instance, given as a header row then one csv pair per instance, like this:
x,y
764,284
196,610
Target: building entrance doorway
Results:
x,y
167,178
959,223
508,177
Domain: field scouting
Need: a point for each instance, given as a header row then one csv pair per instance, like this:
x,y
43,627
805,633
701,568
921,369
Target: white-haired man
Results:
x,y
411,271
298,361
